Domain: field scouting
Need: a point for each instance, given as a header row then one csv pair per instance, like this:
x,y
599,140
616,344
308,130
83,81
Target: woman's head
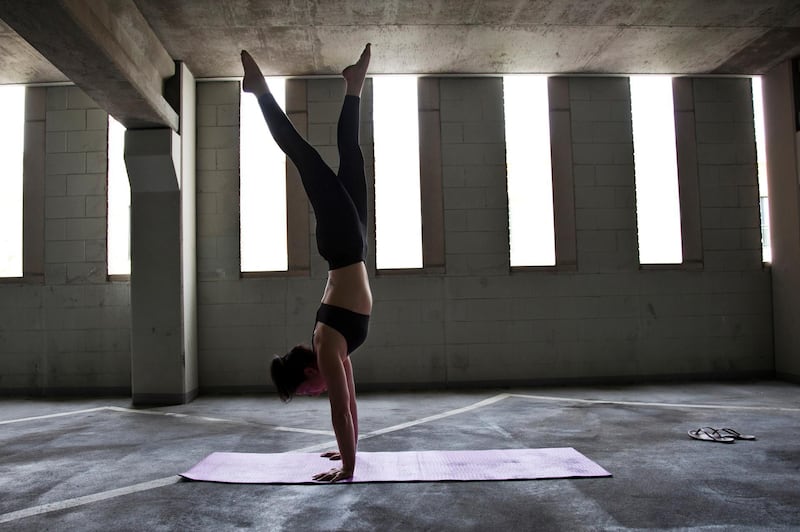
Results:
x,y
291,370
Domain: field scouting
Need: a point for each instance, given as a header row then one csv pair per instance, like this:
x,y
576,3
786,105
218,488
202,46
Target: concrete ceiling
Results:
x,y
319,37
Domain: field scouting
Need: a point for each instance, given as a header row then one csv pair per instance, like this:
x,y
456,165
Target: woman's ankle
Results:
x,y
356,73
253,80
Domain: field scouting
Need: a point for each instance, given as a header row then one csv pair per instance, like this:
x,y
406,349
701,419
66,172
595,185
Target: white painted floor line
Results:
x,y
306,431
220,420
642,403
174,414
327,446
435,417
331,445
48,416
166,414
88,499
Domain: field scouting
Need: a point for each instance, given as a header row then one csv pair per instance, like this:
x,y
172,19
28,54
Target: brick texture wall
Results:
x,y
70,331
477,321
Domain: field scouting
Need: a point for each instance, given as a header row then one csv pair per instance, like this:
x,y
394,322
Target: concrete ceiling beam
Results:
x,y
106,48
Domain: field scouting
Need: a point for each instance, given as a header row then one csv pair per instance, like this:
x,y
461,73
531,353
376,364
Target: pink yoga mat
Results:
x,y
417,466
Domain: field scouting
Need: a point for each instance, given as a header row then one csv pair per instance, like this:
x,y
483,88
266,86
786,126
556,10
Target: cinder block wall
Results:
x,y
479,322
67,331
476,322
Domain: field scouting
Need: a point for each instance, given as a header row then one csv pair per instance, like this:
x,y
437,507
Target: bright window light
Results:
x,y
657,202
12,138
262,189
119,203
398,211
763,191
529,172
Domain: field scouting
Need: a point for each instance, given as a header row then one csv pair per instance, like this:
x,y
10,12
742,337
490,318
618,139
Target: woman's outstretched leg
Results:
x,y
314,173
351,160
303,155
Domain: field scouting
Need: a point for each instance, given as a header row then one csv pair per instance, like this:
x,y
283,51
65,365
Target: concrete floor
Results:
x,y
97,465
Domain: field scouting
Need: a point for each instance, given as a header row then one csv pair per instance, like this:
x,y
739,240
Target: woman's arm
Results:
x,y
348,370
351,388
332,368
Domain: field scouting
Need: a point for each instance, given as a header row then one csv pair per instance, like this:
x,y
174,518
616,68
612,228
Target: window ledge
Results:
x,y
275,274
683,266
553,269
26,279
390,272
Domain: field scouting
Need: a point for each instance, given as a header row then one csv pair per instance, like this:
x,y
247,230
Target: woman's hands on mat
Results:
x,y
335,474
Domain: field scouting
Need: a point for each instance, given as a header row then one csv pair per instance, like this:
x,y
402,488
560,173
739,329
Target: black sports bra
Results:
x,y
352,325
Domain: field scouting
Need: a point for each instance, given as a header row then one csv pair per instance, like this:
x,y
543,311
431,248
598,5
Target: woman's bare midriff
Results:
x,y
348,287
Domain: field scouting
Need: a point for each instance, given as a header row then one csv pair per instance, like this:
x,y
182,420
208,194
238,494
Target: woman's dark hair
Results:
x,y
288,371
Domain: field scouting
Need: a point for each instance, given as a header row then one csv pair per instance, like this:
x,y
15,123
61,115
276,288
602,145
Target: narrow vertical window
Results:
x,y
398,211
12,138
262,192
761,157
656,169
529,171
119,203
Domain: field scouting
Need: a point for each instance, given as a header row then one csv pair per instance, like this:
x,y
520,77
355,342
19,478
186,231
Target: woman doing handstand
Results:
x,y
339,201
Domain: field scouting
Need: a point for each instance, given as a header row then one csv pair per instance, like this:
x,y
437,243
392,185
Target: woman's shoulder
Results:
x,y
328,342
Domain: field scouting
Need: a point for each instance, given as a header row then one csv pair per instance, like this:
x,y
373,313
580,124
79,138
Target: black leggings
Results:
x,y
339,200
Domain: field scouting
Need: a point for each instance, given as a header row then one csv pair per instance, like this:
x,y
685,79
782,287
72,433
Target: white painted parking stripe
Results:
x,y
220,420
48,416
169,414
88,499
401,426
641,403
166,414
436,417
306,431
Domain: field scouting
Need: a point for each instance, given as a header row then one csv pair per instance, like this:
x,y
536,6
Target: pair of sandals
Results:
x,y
724,435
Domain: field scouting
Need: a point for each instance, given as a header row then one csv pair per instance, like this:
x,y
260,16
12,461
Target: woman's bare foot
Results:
x,y
253,80
355,74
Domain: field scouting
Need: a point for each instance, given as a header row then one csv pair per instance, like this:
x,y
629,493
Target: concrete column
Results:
x,y
33,182
563,180
784,201
185,89
297,208
430,159
161,170
688,183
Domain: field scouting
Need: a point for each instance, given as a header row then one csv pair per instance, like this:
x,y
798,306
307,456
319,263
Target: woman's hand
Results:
x,y
335,474
332,455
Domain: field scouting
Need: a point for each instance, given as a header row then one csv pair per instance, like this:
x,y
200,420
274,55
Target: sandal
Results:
x,y
735,435
710,434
